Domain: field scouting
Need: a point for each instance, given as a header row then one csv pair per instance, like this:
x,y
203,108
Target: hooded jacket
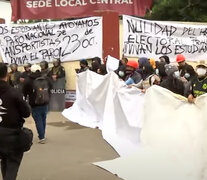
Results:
x,y
12,107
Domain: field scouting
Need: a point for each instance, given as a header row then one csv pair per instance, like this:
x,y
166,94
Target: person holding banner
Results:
x,y
173,82
83,66
132,77
199,84
182,65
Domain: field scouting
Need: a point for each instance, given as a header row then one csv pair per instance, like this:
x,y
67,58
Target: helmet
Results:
x,y
13,65
44,64
56,62
133,64
26,65
180,58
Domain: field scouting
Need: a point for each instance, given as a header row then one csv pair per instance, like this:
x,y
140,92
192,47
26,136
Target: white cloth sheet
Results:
x,y
173,141
107,103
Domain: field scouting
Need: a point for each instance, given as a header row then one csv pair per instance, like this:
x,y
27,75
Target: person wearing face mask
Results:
x,y
189,76
173,82
122,67
182,65
199,84
132,77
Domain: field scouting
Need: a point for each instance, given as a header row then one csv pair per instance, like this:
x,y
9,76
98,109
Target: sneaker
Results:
x,y
42,141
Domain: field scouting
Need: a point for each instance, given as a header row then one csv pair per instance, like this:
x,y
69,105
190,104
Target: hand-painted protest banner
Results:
x,y
143,38
67,40
56,9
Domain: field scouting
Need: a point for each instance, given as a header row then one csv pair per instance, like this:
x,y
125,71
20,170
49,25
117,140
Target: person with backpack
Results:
x,y
37,88
13,110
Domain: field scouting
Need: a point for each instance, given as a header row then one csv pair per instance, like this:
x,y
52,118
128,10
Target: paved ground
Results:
x,y
68,153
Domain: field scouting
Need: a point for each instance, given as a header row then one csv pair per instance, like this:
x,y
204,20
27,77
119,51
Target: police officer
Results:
x,y
199,84
26,73
14,76
44,68
57,74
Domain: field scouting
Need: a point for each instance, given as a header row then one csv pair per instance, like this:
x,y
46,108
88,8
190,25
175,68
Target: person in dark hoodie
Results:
x,y
39,110
142,61
173,82
83,66
13,110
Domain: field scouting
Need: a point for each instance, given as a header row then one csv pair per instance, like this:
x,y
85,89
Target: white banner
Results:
x,y
67,40
143,38
172,145
107,103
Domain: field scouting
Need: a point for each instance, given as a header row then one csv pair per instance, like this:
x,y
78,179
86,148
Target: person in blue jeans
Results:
x,y
39,110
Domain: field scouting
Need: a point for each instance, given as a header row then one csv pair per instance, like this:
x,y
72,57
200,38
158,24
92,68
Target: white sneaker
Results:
x,y
41,141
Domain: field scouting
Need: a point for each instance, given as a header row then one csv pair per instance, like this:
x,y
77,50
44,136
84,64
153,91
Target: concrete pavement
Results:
x,y
68,154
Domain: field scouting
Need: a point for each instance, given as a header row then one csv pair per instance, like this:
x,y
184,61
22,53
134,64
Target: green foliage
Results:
x,y
179,10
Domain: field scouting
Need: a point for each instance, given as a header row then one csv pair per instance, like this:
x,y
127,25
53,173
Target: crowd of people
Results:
x,y
180,78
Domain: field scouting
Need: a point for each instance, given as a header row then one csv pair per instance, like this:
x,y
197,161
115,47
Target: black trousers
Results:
x,y
10,165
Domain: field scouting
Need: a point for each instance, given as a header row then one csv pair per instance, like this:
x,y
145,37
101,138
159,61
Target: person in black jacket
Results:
x,y
182,65
39,111
173,82
12,111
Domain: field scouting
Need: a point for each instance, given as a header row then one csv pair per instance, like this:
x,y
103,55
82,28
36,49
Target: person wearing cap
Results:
x,y
132,77
14,76
173,82
182,65
199,84
13,110
39,111
44,68
83,66
26,73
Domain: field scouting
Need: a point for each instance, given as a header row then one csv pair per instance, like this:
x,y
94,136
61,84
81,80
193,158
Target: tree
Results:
x,y
179,10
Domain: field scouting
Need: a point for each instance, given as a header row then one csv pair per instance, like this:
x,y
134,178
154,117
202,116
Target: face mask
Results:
x,y
157,72
121,73
201,72
187,75
176,74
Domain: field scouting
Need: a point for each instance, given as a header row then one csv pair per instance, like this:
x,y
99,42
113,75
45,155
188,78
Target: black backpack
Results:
x,y
41,90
